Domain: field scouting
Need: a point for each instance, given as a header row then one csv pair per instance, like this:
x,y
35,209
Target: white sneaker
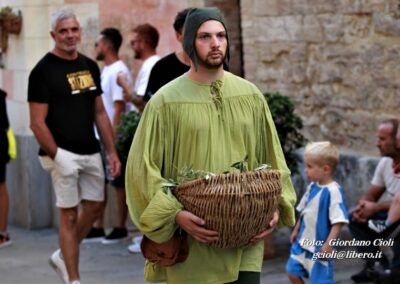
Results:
x,y
134,248
75,282
138,239
57,263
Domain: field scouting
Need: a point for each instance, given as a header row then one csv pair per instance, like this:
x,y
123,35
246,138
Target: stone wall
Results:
x,y
338,60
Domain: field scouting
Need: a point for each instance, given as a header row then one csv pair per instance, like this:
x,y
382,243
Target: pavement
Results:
x,y
26,261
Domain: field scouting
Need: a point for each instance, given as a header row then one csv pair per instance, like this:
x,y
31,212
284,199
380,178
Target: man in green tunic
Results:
x,y
209,119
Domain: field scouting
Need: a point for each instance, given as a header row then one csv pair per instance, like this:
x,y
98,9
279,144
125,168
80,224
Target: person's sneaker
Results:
x,y
95,235
57,263
117,235
364,276
75,282
134,248
377,225
389,276
5,240
137,239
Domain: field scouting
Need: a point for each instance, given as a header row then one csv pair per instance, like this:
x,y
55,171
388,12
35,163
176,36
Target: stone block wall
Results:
x,y
338,60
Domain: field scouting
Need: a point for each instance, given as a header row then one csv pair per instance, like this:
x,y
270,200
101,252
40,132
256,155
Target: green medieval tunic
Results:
x,y
208,128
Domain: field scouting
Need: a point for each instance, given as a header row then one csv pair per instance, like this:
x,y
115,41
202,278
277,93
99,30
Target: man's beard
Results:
x,y
100,56
138,55
209,63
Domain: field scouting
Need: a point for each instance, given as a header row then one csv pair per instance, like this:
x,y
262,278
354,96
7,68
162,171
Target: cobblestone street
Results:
x,y
25,262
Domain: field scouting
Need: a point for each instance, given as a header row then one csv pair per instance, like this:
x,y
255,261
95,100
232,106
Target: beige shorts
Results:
x,y
75,177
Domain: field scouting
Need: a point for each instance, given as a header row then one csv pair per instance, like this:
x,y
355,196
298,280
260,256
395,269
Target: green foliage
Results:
x,y
125,133
241,166
7,11
288,126
187,174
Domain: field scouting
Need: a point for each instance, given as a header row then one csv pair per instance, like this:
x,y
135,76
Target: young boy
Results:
x,y
322,215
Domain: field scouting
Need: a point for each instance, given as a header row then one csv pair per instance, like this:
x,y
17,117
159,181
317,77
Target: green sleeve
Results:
x,y
151,207
270,149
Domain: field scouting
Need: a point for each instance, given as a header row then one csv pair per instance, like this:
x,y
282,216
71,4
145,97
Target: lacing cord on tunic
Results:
x,y
216,93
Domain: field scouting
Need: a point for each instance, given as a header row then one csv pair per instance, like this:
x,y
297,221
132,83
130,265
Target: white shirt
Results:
x,y
384,177
144,73
112,92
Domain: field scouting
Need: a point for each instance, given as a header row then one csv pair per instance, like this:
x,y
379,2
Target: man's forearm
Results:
x,y
38,113
383,206
105,130
119,109
138,101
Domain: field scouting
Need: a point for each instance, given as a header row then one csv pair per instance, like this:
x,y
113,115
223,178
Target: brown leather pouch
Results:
x,y
166,254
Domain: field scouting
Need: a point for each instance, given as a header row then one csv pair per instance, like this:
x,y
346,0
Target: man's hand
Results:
x,y
396,170
122,81
114,164
194,226
129,94
364,210
271,227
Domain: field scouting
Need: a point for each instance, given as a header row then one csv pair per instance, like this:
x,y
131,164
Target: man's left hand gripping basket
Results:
x,y
237,205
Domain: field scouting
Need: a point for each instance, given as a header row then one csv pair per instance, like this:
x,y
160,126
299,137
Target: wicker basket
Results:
x,y
238,205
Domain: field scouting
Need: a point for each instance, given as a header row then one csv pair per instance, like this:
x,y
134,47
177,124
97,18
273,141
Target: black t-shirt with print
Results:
x,y
70,88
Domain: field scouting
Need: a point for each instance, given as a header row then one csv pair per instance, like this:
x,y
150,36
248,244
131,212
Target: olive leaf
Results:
x,y
188,174
241,166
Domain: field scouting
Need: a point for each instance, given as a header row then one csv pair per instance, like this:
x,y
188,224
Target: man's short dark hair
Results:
x,y
149,34
180,20
113,36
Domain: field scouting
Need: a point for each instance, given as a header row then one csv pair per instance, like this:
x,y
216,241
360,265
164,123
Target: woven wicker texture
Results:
x,y
238,205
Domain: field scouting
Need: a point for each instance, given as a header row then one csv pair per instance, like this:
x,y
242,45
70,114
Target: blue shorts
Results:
x,y
301,264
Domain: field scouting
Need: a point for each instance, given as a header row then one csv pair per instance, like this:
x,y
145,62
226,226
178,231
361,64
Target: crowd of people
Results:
x,y
194,113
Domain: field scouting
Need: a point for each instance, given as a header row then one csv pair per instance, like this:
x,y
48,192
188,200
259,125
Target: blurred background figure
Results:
x,y
5,239
144,44
107,47
172,65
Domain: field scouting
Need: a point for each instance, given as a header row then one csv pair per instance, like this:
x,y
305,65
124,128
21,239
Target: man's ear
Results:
x,y
179,36
109,46
52,34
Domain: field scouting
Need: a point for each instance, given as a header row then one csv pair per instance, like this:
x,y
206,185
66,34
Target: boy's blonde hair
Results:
x,y
323,152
